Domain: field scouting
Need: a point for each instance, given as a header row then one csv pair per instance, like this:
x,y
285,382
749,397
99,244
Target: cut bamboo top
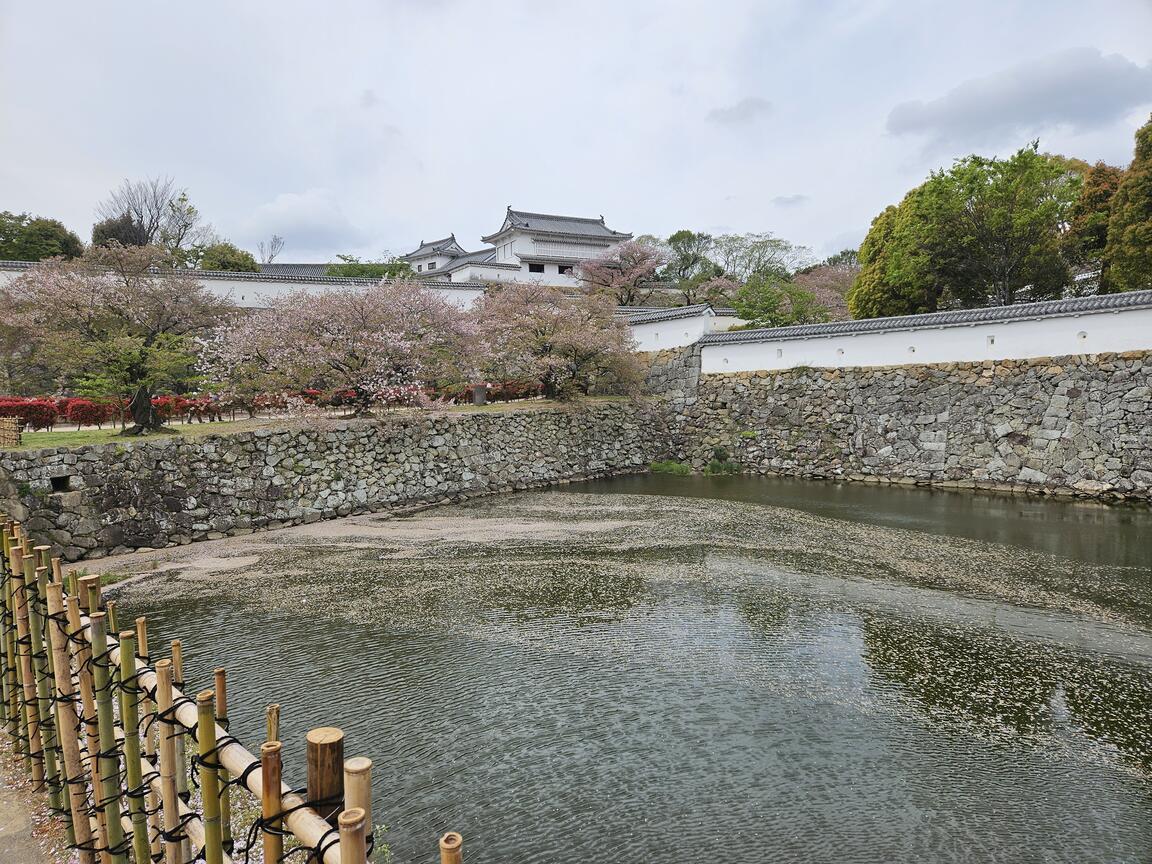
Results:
x,y
325,735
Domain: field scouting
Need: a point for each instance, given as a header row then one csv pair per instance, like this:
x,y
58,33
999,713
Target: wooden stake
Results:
x,y
353,844
11,679
300,820
326,771
270,771
147,730
130,721
43,671
82,656
171,798
220,679
109,797
358,786
273,722
68,727
28,679
451,848
88,587
209,780
178,731
43,556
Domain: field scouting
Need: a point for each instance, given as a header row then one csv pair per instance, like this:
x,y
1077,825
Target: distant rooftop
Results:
x,y
294,269
443,246
959,318
547,223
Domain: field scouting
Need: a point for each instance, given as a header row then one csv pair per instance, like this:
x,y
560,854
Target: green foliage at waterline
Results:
x,y
722,462
670,466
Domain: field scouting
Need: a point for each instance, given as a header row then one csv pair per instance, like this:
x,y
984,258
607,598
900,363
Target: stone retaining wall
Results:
x,y
1066,425
110,498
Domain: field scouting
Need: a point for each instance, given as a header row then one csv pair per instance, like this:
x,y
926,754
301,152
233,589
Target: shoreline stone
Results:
x,y
1076,426
174,491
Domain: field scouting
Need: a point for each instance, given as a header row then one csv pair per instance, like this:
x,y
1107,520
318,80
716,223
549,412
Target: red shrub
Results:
x,y
85,412
168,407
36,413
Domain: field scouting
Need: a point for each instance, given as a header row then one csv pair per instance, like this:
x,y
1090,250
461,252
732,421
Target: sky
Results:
x,y
366,126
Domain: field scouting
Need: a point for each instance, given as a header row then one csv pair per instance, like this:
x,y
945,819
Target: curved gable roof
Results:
x,y
547,223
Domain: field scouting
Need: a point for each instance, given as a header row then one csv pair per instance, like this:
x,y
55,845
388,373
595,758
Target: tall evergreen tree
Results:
x,y
1087,235
1128,253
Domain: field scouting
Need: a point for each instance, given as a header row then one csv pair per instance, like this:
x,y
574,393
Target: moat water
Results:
x,y
694,669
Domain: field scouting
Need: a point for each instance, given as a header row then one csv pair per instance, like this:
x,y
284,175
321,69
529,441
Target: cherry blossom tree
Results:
x,y
568,344
368,341
624,272
119,321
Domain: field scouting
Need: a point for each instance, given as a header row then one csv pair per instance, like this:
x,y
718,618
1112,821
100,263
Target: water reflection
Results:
x,y
674,689
1083,530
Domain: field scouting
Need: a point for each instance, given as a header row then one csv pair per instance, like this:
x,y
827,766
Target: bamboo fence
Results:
x,y
102,729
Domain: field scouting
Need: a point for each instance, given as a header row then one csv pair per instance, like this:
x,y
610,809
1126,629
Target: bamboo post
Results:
x,y
451,848
358,786
6,624
108,759
17,704
299,819
220,679
68,727
326,771
27,679
130,722
43,671
353,845
88,587
178,731
270,772
147,722
11,679
171,798
209,780
43,556
82,655
57,571
273,722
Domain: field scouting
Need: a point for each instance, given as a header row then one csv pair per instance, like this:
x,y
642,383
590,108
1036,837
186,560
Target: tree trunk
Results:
x,y
144,417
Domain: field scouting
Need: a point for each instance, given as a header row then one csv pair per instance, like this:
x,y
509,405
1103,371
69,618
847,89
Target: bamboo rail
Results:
x,y
99,728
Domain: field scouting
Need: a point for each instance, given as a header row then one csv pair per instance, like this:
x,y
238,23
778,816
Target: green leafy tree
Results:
x,y
689,266
226,256
1086,237
352,267
888,259
772,300
1128,253
689,255
122,229
845,257
33,238
985,232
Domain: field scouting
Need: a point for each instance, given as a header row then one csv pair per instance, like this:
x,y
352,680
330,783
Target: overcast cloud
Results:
x,y
364,126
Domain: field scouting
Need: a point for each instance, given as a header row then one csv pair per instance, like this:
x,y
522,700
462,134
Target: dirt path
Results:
x,y
27,833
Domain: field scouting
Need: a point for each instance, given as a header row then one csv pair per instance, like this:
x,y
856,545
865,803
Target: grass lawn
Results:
x,y
532,404
63,438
